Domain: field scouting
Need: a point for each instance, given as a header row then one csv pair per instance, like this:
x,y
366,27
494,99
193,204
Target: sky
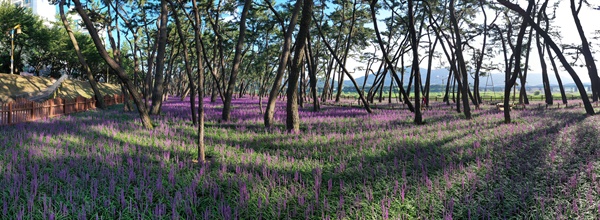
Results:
x,y
564,22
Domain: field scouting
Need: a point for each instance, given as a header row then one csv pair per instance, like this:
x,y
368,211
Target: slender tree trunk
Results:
x,y
386,58
481,56
158,90
586,102
390,92
187,61
429,67
293,118
563,95
523,92
326,86
126,103
590,62
517,66
415,63
312,74
447,93
283,60
462,69
360,94
142,110
150,67
198,42
347,50
237,60
545,78
86,68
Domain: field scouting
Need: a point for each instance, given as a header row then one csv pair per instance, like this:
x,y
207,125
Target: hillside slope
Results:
x,y
12,86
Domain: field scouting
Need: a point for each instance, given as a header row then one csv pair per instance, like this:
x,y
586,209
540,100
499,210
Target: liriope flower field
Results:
x,y
345,164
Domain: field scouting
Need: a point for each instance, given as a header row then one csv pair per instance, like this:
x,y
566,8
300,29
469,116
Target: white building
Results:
x,y
42,8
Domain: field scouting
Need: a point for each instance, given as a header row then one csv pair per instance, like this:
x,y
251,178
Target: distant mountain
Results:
x,y
439,76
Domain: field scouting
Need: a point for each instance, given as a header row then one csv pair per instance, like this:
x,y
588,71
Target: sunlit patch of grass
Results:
x,y
345,164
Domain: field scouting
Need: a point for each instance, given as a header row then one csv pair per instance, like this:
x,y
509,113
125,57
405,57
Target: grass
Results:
x,y
346,164
14,85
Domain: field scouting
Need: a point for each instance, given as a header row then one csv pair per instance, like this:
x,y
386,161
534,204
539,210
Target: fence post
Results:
x,y
10,112
32,116
64,105
51,102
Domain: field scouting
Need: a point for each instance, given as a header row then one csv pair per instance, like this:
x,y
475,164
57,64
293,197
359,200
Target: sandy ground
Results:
x,y
15,85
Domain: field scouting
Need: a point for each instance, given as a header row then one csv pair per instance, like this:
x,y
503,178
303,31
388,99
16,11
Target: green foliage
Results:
x,y
41,45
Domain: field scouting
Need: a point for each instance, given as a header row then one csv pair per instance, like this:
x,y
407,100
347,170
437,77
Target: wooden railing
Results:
x,y
23,110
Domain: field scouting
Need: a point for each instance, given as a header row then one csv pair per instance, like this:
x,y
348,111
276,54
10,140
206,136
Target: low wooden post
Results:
x,y
32,116
10,112
51,102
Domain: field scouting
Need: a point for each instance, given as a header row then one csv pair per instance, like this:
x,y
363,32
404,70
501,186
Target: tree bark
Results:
x,y
237,61
590,63
283,60
540,49
142,110
415,63
187,61
293,118
462,69
158,90
387,59
85,67
585,99
312,74
360,94
558,80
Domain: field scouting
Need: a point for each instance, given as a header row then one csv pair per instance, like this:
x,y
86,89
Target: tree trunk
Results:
x,y
386,58
187,61
198,41
586,102
510,81
462,69
360,94
545,78
283,60
293,118
415,63
158,90
312,74
142,110
86,68
558,80
523,92
237,60
590,62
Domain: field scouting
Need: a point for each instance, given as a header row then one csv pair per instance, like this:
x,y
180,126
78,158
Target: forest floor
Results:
x,y
345,164
12,86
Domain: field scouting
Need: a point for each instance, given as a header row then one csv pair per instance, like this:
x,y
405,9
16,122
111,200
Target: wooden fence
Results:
x,y
23,110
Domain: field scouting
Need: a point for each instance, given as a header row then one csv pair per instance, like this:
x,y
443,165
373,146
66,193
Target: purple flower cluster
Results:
x,y
344,164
